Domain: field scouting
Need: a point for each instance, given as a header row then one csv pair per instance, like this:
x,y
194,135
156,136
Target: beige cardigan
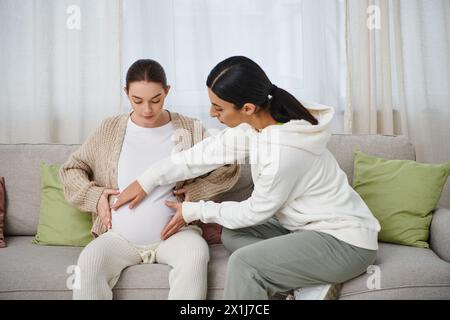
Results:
x,y
93,167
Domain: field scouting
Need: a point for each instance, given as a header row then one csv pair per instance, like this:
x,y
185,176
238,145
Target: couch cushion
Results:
x,y
28,271
384,146
405,273
388,147
401,194
60,223
20,167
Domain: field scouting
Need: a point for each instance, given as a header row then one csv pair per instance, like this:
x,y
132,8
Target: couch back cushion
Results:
x,y
382,146
388,147
19,164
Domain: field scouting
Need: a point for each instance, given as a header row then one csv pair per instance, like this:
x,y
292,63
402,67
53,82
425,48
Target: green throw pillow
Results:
x,y
60,223
401,194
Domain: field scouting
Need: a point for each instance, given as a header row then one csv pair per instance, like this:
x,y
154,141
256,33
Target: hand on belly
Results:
x,y
143,224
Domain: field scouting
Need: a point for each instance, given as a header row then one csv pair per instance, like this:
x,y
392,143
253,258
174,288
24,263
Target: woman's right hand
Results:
x,y
103,208
133,194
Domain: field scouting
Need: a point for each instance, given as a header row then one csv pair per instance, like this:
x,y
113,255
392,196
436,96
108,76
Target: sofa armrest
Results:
x,y
440,233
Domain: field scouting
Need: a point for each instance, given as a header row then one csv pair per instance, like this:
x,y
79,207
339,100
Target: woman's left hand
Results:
x,y
176,223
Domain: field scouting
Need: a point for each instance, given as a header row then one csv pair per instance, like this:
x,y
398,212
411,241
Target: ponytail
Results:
x,y
284,107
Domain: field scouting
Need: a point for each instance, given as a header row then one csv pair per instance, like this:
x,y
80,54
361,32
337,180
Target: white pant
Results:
x,y
102,261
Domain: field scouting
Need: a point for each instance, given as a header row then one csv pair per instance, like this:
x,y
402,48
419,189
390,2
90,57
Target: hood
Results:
x,y
300,133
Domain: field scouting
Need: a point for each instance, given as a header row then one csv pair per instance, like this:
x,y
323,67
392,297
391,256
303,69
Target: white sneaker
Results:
x,y
329,291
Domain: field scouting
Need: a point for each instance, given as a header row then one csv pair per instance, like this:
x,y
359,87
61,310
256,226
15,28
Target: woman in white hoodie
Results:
x,y
303,225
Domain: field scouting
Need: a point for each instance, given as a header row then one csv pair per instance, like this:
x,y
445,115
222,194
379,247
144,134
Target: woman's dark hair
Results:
x,y
146,70
239,80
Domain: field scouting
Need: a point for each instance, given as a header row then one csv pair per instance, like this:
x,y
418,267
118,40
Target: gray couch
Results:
x,y
29,271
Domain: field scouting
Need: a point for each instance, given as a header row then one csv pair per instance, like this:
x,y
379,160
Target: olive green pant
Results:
x,y
268,259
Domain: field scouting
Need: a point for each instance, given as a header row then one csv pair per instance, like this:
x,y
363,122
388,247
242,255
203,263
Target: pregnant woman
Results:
x,y
303,225
110,159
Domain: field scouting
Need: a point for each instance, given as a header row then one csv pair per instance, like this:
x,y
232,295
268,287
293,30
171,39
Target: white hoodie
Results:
x,y
296,179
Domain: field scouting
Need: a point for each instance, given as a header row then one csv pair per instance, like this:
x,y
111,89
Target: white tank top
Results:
x,y
142,147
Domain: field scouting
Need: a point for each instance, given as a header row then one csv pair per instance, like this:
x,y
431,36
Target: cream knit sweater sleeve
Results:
x,y
77,175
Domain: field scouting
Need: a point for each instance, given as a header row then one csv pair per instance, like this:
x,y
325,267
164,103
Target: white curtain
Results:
x,y
425,32
60,68
399,72
369,106
63,62
299,43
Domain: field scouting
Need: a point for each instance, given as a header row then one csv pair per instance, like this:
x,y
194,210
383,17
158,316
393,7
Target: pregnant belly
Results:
x,y
142,225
